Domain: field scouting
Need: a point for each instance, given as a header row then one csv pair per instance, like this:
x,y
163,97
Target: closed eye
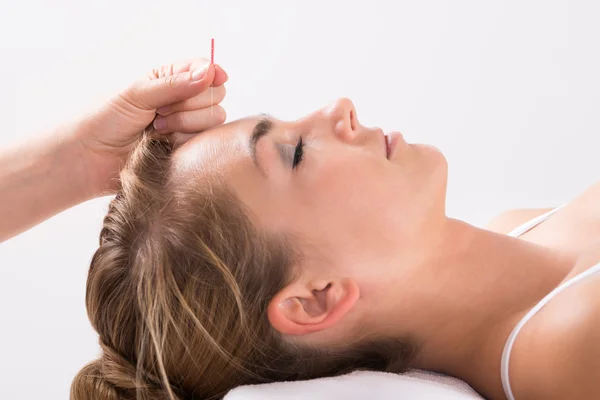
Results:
x,y
298,153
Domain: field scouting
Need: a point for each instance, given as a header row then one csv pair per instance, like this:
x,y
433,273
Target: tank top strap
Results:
x,y
532,223
511,339
527,226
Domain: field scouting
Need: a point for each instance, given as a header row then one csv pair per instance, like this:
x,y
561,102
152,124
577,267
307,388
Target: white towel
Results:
x,y
415,384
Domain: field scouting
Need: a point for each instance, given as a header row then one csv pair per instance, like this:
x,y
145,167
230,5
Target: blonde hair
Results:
x,y
178,291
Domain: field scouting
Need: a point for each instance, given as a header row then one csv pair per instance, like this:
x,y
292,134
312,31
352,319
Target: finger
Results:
x,y
179,138
190,121
197,102
151,94
177,68
220,76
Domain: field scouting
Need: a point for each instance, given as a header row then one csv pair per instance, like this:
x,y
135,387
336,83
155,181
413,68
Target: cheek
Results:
x,y
354,205
360,186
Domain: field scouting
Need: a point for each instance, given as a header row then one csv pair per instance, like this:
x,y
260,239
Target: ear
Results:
x,y
302,308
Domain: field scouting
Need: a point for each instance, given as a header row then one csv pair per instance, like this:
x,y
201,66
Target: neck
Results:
x,y
470,295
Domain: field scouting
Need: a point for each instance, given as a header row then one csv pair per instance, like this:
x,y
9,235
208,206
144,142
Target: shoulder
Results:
x,y
510,219
560,356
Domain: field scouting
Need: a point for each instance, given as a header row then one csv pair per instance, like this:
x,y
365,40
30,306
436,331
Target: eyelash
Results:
x,y
298,153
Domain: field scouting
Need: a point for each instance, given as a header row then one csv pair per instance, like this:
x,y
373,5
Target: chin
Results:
x,y
431,156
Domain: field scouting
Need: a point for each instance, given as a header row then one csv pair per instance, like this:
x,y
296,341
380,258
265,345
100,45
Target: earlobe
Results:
x,y
302,308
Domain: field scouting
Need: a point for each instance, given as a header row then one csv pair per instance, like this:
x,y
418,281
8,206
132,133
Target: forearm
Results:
x,y
40,178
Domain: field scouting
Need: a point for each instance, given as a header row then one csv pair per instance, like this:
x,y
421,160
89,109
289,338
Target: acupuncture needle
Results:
x,y
212,61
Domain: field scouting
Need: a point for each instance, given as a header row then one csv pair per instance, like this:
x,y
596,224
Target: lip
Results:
x,y
384,141
392,140
387,146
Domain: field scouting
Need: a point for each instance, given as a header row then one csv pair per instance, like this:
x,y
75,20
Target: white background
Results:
x,y
509,91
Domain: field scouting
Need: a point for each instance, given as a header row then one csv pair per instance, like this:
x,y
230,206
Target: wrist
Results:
x,y
98,171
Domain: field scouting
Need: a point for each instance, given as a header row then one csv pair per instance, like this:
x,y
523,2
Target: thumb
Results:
x,y
151,94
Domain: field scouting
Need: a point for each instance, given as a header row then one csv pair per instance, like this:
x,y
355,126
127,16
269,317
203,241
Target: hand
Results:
x,y
184,109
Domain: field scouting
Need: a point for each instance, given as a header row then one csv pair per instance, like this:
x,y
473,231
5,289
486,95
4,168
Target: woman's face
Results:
x,y
358,213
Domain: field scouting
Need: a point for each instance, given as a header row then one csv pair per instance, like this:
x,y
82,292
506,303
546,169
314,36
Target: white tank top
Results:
x,y
511,339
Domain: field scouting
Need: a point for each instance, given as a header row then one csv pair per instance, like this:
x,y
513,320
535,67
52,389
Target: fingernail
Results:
x,y
163,110
199,73
160,123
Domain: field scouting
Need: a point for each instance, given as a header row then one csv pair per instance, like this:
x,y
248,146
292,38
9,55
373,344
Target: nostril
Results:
x,y
352,123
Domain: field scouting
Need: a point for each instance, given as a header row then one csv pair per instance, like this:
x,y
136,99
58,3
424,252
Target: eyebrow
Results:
x,y
261,129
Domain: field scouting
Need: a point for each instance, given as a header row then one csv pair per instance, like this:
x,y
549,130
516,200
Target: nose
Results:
x,y
342,114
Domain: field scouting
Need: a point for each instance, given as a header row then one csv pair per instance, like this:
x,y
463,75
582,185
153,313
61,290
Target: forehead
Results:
x,y
216,148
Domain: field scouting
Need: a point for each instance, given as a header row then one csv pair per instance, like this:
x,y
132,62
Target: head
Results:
x,y
224,263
